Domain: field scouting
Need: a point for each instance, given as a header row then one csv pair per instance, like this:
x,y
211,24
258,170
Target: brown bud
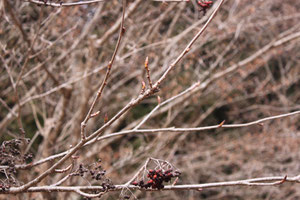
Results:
x,y
105,118
158,99
146,62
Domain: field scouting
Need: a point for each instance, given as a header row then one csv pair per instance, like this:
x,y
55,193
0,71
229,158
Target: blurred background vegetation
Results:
x,y
60,56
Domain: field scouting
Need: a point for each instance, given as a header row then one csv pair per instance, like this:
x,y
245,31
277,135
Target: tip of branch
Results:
x,y
143,87
146,62
105,118
95,114
221,124
158,99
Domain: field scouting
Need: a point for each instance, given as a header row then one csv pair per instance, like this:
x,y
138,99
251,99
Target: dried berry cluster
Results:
x,y
10,156
157,178
80,171
96,172
204,5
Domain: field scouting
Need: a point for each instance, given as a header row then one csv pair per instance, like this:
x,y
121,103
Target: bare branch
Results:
x,y
258,182
182,130
49,3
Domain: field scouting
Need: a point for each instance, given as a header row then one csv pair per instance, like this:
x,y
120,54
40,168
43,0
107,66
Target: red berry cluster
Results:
x,y
157,178
204,5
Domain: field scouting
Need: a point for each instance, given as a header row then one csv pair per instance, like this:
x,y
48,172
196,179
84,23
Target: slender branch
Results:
x,y
104,83
49,3
258,182
148,71
181,130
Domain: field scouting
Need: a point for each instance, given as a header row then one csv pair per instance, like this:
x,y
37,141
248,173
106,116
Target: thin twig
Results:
x,y
49,3
104,83
182,130
148,71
